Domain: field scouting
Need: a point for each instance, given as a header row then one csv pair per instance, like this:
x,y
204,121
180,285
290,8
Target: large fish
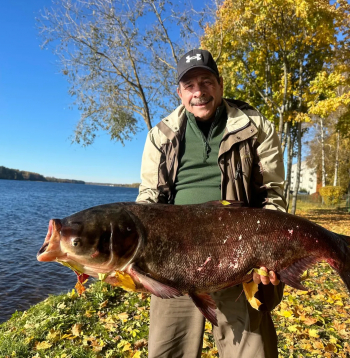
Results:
x,y
172,250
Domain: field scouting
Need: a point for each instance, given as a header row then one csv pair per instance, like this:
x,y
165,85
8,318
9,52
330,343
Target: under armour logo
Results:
x,y
198,57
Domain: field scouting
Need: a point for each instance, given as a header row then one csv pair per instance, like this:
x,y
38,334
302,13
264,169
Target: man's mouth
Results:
x,y
202,103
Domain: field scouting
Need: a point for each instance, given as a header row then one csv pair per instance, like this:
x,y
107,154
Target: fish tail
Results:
x,y
343,265
345,238
345,275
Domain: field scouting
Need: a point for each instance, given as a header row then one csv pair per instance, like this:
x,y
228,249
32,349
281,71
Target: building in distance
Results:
x,y
308,179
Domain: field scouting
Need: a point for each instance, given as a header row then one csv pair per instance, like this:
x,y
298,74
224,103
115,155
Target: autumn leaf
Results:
x,y
80,288
127,347
43,345
294,328
310,321
61,306
250,289
137,354
53,335
104,304
76,329
318,345
123,316
140,343
331,348
313,333
68,336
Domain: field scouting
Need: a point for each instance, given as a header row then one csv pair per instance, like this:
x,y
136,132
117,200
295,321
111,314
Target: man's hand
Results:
x,y
264,279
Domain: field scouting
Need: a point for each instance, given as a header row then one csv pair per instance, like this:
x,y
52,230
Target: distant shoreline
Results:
x,y
15,174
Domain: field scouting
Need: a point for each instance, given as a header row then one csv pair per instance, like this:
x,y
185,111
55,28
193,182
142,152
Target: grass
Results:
x,y
103,322
109,322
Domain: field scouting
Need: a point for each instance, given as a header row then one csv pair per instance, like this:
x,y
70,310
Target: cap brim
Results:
x,y
192,68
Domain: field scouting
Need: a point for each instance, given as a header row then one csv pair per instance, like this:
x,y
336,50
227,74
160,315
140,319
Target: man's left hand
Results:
x,y
266,279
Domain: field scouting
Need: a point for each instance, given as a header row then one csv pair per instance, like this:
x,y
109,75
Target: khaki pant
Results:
x,y
177,326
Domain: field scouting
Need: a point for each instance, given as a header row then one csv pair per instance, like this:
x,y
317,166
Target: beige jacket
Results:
x,y
250,159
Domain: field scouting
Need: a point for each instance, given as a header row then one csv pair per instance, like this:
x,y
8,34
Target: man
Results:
x,y
211,148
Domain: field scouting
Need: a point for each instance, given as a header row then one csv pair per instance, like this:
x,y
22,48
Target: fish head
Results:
x,y
93,241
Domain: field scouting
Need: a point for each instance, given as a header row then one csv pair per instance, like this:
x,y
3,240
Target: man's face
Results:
x,y
200,93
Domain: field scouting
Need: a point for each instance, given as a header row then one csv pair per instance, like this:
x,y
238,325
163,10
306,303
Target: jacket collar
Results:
x,y
236,119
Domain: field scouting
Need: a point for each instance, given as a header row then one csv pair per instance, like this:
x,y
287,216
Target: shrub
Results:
x,y
331,194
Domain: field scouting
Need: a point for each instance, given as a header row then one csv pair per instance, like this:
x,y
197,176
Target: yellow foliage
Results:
x,y
260,44
331,194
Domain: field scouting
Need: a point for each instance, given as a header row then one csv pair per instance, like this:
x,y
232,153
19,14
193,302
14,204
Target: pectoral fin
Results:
x,y
292,275
155,287
206,305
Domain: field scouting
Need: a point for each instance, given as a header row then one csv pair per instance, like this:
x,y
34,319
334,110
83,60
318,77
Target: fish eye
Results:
x,y
128,229
76,241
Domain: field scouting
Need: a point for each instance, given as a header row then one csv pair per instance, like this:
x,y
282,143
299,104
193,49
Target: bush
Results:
x,y
331,194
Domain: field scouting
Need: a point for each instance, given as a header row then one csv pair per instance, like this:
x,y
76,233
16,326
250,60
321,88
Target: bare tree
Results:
x,y
120,57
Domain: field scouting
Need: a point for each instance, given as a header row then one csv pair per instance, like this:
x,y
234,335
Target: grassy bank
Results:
x,y
107,322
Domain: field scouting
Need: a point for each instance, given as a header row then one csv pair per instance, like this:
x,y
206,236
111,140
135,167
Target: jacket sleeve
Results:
x,y
271,167
151,161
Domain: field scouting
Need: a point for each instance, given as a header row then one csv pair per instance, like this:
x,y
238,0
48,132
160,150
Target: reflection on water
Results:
x,y
25,210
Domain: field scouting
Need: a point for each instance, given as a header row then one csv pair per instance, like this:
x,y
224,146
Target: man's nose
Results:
x,y
198,90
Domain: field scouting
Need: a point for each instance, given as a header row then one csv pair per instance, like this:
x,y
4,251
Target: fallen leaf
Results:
x,y
137,354
43,345
310,321
250,289
330,348
123,315
103,304
140,343
53,335
80,288
76,329
318,345
127,347
61,306
313,333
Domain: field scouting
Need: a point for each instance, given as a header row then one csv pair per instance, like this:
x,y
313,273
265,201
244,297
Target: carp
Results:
x,y
172,250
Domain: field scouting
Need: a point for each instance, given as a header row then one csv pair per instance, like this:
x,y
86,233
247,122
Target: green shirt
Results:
x,y
198,179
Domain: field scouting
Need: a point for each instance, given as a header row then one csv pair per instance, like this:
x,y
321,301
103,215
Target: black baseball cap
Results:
x,y
194,59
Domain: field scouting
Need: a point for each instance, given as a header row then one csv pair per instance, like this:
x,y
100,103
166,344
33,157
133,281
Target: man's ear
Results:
x,y
221,85
179,91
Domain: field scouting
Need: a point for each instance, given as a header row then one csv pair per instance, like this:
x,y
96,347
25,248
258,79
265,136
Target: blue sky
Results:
x,y
36,121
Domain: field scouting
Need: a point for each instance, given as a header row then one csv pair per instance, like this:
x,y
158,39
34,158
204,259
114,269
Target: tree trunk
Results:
x,y
335,182
323,167
281,112
289,164
299,127
285,137
297,179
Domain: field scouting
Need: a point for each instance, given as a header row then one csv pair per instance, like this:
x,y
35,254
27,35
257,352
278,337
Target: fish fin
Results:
x,y
155,287
206,305
292,275
82,277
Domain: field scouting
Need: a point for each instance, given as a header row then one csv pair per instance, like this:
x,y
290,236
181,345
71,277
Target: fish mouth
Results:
x,y
51,248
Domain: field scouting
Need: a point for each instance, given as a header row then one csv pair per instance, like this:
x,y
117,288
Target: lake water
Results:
x,y
25,210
